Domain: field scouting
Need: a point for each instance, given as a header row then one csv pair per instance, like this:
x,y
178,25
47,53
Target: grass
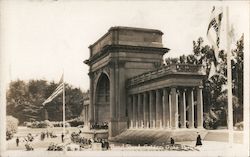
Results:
x,y
37,144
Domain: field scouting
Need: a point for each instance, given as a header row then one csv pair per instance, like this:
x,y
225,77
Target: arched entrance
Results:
x,y
102,105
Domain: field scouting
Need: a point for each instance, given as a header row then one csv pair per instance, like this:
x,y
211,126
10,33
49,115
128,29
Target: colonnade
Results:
x,y
172,107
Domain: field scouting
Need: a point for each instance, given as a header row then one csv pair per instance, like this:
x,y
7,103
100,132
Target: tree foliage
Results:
x,y
24,101
214,92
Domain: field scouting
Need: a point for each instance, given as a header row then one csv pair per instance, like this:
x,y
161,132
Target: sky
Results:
x,y
41,39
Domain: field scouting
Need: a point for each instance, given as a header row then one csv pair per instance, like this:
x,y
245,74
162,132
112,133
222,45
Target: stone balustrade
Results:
x,y
167,70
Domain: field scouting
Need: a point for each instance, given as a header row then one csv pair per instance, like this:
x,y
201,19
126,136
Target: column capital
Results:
x,y
200,87
183,89
173,87
190,89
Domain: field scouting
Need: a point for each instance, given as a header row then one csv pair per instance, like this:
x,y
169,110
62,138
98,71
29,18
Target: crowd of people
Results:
x,y
78,139
47,134
27,139
97,126
85,142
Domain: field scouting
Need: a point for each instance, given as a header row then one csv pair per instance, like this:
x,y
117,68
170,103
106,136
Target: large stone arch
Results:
x,y
120,54
102,98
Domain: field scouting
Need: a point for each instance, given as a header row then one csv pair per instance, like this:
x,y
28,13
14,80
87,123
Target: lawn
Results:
x,y
37,144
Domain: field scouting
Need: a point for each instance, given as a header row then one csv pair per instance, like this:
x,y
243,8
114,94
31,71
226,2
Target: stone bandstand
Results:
x,y
130,87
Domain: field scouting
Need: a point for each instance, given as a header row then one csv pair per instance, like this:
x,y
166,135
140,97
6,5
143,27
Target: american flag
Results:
x,y
57,91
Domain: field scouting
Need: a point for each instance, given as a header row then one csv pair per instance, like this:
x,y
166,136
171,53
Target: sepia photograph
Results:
x,y
124,78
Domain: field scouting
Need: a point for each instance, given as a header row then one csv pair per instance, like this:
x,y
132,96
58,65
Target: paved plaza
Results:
x,y
209,148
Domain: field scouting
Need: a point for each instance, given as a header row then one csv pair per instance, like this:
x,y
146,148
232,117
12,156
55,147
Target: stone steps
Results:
x,y
157,136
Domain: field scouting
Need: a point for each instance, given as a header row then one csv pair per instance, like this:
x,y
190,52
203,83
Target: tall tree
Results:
x,y
24,100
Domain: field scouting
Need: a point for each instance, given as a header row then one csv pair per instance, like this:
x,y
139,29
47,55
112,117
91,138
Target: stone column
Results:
x,y
174,108
145,110
165,109
121,96
134,111
191,108
158,109
84,114
199,108
91,100
87,112
170,109
140,111
112,92
130,111
152,109
183,109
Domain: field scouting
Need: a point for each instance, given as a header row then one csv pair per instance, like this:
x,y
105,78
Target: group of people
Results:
x,y
82,141
103,125
47,134
29,138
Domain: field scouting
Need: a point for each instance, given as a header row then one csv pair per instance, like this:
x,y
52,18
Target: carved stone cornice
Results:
x,y
124,48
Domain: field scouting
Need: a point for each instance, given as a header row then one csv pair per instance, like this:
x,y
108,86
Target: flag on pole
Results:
x,y
212,71
213,35
57,91
213,30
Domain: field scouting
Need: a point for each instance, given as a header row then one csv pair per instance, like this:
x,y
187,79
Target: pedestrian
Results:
x,y
62,137
106,144
198,140
172,141
17,141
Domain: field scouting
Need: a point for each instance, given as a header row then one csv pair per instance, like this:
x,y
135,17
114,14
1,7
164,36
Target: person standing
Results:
x,y
172,141
198,140
17,141
62,137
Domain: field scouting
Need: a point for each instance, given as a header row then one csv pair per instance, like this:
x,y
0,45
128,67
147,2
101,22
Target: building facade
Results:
x,y
130,87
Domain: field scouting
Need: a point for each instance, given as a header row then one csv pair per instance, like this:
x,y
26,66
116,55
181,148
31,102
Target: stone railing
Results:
x,y
166,70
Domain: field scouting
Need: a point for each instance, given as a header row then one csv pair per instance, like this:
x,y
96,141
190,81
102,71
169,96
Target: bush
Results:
x,y
75,123
59,124
239,126
9,135
48,123
11,128
209,122
37,124
12,124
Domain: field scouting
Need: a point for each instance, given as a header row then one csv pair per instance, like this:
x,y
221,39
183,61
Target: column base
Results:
x,y
201,127
174,128
116,127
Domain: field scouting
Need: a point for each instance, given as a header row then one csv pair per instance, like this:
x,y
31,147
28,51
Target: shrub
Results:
x,y
75,123
60,124
239,126
9,135
37,124
209,122
11,128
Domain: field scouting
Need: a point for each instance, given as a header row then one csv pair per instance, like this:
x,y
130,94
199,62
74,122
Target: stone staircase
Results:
x,y
157,136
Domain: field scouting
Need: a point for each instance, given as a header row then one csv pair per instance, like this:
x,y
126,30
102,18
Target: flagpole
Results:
x,y
229,83
63,107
